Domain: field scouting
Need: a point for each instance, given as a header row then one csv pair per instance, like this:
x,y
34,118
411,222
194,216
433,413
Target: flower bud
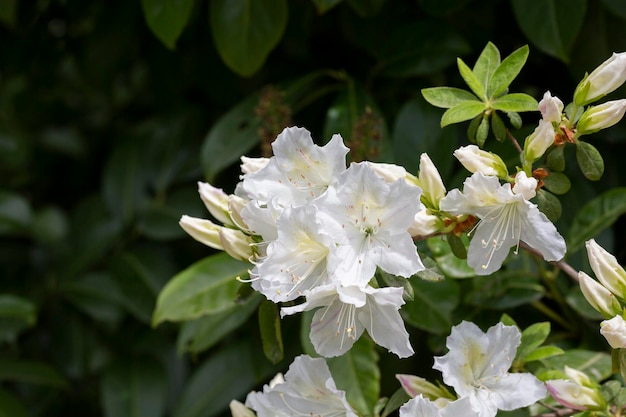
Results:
x,y
425,223
609,76
539,141
600,117
235,205
236,243
204,231
607,269
599,297
475,159
216,201
575,396
551,108
614,331
433,189
237,409
415,385
525,185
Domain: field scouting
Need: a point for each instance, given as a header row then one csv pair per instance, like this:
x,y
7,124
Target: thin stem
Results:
x,y
514,141
552,314
562,265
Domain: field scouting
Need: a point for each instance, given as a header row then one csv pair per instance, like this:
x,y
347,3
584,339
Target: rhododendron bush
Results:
x,y
396,211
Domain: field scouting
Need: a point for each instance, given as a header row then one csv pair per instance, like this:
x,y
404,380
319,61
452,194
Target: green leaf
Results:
x,y
431,310
515,119
356,372
134,387
595,216
543,352
532,337
305,333
497,127
515,102
590,160
551,25
617,7
208,286
231,372
167,18
506,72
487,63
446,97
557,183
31,372
323,6
456,246
549,205
461,112
577,301
431,272
449,264
595,364
98,295
556,159
396,400
16,315
15,212
230,137
200,334
271,337
504,290
10,406
470,79
8,12
50,225
246,31
483,131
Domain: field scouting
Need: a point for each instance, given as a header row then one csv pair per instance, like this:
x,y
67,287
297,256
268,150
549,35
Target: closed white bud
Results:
x,y
600,117
237,409
433,189
609,76
475,159
539,141
204,231
252,165
608,271
614,331
236,243
599,297
575,396
216,201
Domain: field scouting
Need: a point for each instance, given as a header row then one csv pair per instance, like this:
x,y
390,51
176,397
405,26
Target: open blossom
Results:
x,y
423,407
296,260
506,218
308,389
477,366
368,219
346,311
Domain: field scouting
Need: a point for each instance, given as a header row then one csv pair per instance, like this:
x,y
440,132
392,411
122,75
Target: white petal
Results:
x,y
541,234
419,407
517,390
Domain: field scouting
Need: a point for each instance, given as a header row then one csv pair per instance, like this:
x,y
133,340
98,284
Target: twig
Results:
x,y
562,265
514,141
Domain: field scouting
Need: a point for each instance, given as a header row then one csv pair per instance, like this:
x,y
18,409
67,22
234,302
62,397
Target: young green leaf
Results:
x,y
515,102
515,119
507,71
482,132
487,63
497,127
533,337
461,112
447,97
543,352
472,81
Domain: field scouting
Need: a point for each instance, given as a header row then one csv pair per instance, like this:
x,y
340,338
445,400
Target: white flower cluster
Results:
x,y
316,229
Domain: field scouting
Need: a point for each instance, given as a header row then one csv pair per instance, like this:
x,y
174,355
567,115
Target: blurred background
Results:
x,y
111,111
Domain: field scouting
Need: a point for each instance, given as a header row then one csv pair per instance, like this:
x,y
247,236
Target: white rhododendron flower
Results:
x,y
346,311
614,331
308,389
368,219
506,218
296,260
477,366
423,407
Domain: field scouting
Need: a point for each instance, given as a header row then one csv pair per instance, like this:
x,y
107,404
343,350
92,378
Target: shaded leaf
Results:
x,y
497,127
595,216
208,286
323,6
31,372
356,372
15,212
16,315
10,406
271,337
589,160
167,18
551,25
366,8
246,31
504,290
432,307
549,205
134,387
557,183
